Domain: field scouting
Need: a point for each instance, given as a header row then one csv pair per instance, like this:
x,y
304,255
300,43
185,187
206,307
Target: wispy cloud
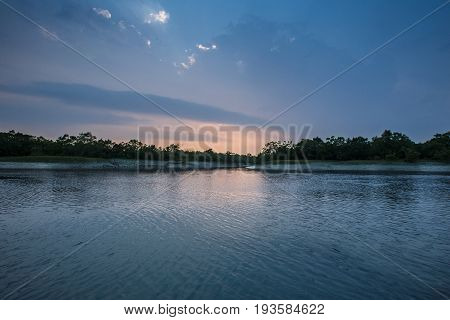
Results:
x,y
103,12
191,59
158,17
241,65
122,25
274,49
202,47
91,98
186,65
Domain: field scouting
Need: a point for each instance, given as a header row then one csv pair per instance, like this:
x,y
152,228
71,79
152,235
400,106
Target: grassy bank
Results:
x,y
69,159
354,161
64,159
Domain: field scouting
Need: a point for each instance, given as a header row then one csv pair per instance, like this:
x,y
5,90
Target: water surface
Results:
x,y
224,234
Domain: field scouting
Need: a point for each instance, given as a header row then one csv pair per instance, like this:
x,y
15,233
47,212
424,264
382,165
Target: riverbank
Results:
x,y
359,167
74,159
52,159
80,163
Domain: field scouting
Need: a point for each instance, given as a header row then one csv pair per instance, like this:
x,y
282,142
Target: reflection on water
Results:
x,y
233,234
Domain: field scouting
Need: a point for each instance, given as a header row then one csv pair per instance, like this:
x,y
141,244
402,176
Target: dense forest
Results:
x,y
389,146
14,144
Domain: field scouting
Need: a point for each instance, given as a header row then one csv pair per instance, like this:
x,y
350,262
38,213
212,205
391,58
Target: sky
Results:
x,y
111,66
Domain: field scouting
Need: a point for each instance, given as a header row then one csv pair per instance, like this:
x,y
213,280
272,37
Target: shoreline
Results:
x,y
375,167
76,159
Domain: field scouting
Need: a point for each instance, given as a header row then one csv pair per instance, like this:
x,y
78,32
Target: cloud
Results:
x,y
191,60
122,25
90,97
275,49
52,114
158,17
102,12
241,65
205,48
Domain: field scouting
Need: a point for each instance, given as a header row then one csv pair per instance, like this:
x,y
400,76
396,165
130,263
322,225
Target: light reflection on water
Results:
x,y
225,234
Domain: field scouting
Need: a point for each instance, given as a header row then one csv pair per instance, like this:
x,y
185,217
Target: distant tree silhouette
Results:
x,y
87,145
388,146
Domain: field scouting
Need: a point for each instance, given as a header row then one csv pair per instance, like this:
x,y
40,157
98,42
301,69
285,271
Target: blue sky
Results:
x,y
232,62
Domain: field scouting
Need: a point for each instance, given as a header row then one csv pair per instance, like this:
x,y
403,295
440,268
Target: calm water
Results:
x,y
225,234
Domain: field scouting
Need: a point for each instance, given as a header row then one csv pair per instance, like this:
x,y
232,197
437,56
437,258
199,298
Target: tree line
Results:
x,y
16,144
388,146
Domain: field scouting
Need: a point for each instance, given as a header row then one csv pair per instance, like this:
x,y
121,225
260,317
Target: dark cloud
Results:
x,y
45,113
87,96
